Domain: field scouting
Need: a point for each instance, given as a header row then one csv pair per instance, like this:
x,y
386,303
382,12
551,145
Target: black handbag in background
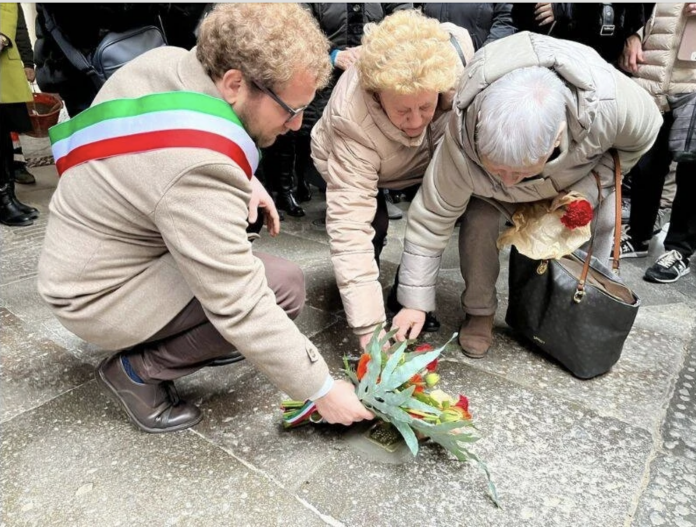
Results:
x,y
112,52
682,134
575,309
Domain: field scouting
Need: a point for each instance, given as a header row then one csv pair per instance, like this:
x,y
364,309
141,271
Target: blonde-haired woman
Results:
x,y
379,130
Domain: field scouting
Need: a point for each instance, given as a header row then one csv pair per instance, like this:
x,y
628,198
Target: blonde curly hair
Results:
x,y
268,43
407,53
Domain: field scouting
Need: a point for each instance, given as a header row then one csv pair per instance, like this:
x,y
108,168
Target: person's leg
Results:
x,y
190,340
381,225
303,161
141,379
603,225
11,211
648,177
279,167
680,242
480,266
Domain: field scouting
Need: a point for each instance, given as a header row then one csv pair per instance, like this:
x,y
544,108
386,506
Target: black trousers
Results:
x,y
647,180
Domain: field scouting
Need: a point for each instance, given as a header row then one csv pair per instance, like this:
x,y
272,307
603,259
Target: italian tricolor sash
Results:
x,y
161,120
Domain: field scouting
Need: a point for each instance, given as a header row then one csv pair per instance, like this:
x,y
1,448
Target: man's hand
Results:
x,y
632,54
409,321
690,9
31,75
341,405
346,58
261,198
543,14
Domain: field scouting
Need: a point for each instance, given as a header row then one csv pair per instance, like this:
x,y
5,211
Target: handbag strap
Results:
x,y
74,55
580,290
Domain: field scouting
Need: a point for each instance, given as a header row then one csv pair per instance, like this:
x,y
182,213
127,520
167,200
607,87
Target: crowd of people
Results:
x,y
464,110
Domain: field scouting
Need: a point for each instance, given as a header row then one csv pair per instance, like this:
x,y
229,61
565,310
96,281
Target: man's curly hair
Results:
x,y
268,43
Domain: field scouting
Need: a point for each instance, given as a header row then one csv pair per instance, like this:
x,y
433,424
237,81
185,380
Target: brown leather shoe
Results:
x,y
476,336
154,408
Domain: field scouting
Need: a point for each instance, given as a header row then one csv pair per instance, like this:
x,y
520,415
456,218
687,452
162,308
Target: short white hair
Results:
x,y
520,116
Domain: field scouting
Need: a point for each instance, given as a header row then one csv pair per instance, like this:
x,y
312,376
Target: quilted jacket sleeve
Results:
x,y
442,198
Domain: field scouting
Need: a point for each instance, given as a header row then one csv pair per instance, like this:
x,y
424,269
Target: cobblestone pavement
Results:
x,y
619,450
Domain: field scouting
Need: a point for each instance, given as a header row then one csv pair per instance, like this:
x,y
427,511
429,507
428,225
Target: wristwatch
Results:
x,y
5,41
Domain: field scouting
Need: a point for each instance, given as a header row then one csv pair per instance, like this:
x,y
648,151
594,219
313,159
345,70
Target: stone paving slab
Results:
x,y
679,428
34,368
633,391
70,463
670,499
554,463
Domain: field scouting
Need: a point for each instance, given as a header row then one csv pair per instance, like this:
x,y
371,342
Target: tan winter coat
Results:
x,y
357,150
662,73
131,239
605,109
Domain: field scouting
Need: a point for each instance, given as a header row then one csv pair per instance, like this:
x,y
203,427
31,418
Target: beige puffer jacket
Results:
x,y
605,109
662,73
357,150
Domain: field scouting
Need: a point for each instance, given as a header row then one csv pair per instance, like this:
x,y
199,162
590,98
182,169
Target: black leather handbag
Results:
x,y
575,309
112,52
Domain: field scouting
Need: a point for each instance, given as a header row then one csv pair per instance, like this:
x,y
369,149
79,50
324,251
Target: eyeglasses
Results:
x,y
294,112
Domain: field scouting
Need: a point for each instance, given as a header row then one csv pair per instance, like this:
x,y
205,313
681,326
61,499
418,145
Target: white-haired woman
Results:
x,y
535,118
379,130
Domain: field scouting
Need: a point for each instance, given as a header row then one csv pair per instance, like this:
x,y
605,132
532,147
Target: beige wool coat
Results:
x,y
357,150
132,239
662,73
605,109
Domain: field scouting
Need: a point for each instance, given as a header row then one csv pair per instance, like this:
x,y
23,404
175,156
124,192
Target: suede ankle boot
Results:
x,y
476,335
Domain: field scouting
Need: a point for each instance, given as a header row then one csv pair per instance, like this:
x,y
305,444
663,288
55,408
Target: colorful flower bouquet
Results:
x,y
399,387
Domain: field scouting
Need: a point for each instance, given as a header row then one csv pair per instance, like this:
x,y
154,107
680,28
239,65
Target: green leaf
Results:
x,y
423,407
408,435
392,363
349,371
405,371
399,398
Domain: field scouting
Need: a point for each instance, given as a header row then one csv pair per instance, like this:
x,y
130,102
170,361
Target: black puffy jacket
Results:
x,y
343,24
484,22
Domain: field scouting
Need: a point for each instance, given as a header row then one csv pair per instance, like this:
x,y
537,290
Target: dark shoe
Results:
x,y
288,203
154,408
668,268
24,177
10,213
431,324
26,209
476,336
633,249
233,357
304,193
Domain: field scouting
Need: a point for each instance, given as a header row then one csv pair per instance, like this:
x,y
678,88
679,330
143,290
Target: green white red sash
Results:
x,y
161,120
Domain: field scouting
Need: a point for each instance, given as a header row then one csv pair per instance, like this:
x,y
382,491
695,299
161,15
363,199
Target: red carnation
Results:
x,y
578,214
423,348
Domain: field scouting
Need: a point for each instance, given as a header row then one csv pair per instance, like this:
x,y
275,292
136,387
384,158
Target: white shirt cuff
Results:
x,y
325,388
